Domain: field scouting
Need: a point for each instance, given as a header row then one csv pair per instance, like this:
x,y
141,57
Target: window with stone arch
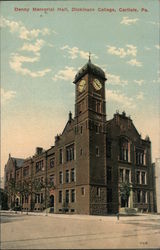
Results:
x,y
124,149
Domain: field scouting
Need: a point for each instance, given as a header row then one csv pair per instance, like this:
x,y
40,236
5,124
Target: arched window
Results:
x,y
124,149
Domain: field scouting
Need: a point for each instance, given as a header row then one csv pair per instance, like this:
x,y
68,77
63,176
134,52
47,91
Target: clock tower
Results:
x,y
90,138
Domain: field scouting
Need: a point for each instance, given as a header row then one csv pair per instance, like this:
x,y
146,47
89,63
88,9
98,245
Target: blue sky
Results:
x,y
41,53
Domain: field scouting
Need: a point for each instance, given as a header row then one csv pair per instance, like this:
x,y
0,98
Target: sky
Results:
x,y
41,51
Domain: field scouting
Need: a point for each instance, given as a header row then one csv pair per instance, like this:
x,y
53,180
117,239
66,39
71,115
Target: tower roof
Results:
x,y
89,67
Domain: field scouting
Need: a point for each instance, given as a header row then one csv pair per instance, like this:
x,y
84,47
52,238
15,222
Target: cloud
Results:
x,y
120,98
35,48
67,74
147,48
130,50
7,95
22,31
134,62
156,80
115,80
128,21
154,23
140,96
157,46
139,82
17,60
74,52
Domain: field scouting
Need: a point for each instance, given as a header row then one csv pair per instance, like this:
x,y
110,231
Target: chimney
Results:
x,y
57,138
70,116
39,150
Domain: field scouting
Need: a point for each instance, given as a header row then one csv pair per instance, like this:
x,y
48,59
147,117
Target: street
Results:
x,y
32,231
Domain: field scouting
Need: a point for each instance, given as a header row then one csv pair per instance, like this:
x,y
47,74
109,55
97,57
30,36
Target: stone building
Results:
x,y
156,181
82,173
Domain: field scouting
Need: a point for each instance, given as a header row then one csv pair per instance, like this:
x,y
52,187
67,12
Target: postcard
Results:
x,y
80,131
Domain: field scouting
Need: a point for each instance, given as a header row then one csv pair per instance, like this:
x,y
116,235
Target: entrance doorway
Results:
x,y
52,201
124,203
17,202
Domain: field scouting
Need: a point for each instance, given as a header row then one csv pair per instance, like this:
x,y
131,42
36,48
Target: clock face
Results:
x,y
97,84
82,86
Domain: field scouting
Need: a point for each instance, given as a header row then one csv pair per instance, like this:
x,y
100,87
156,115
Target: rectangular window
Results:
x,y
26,171
82,191
41,198
109,174
96,128
37,198
60,196
81,129
127,175
51,179
124,145
108,149
52,162
70,153
61,156
138,196
109,195
73,195
121,177
140,156
97,151
72,174
98,107
138,177
67,176
42,180
143,176
80,107
39,166
60,177
98,191
67,196
144,196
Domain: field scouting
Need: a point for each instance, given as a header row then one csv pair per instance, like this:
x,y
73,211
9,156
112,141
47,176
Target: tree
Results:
x,y
125,190
27,188
3,199
12,190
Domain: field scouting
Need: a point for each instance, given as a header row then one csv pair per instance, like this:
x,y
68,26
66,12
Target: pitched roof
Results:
x,y
19,162
89,68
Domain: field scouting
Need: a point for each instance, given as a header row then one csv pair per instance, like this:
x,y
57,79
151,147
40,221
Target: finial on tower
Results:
x,y
89,56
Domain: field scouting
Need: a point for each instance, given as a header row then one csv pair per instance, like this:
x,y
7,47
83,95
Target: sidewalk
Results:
x,y
85,217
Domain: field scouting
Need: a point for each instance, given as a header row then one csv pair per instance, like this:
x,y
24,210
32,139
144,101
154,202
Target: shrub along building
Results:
x,y
83,171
